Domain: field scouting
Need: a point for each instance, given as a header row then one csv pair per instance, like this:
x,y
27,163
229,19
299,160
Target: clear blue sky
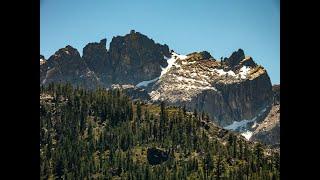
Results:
x,y
218,26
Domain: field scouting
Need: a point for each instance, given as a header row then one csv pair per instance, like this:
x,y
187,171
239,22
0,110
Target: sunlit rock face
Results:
x,y
229,91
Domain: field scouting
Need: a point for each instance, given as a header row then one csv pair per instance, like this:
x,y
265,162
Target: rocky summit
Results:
x,y
235,92
227,91
135,57
130,59
66,65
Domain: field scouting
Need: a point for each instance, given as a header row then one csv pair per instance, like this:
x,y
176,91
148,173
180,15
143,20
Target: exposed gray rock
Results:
x,y
97,59
235,58
66,65
136,58
156,156
229,91
227,96
276,94
268,131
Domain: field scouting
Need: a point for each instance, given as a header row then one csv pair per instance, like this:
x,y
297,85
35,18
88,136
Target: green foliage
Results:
x,y
103,135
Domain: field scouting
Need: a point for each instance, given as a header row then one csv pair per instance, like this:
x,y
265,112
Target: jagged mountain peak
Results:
x,y
103,42
134,53
136,40
101,45
205,84
200,56
247,61
230,90
96,57
65,53
66,65
235,58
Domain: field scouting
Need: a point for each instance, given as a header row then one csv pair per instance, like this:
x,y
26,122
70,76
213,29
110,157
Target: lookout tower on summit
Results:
x,y
132,31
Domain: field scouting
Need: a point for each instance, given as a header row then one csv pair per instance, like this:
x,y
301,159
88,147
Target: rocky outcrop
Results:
x,y
205,85
156,156
230,91
232,102
237,60
268,131
276,94
97,59
136,58
66,65
131,59
196,56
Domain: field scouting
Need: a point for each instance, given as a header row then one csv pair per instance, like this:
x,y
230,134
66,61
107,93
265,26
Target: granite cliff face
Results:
x,y
136,58
235,91
66,65
268,131
130,59
276,94
96,57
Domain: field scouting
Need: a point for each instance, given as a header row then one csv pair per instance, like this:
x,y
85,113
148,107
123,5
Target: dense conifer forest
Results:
x,y
102,134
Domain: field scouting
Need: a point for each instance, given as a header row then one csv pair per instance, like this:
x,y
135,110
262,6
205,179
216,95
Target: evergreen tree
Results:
x,y
93,134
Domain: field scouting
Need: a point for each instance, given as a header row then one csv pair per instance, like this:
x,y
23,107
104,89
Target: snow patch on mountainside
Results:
x,y
188,62
239,125
242,126
146,83
247,134
221,72
244,71
171,62
186,77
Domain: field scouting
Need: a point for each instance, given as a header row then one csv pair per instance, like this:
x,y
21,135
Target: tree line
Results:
x,y
102,134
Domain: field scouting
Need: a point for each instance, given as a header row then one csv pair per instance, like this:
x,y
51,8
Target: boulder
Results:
x,y
156,156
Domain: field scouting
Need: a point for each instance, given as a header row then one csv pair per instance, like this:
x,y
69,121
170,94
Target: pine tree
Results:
x,y
258,152
163,119
139,112
195,113
93,133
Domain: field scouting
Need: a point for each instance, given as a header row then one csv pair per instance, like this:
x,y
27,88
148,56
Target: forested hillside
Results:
x,y
104,135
